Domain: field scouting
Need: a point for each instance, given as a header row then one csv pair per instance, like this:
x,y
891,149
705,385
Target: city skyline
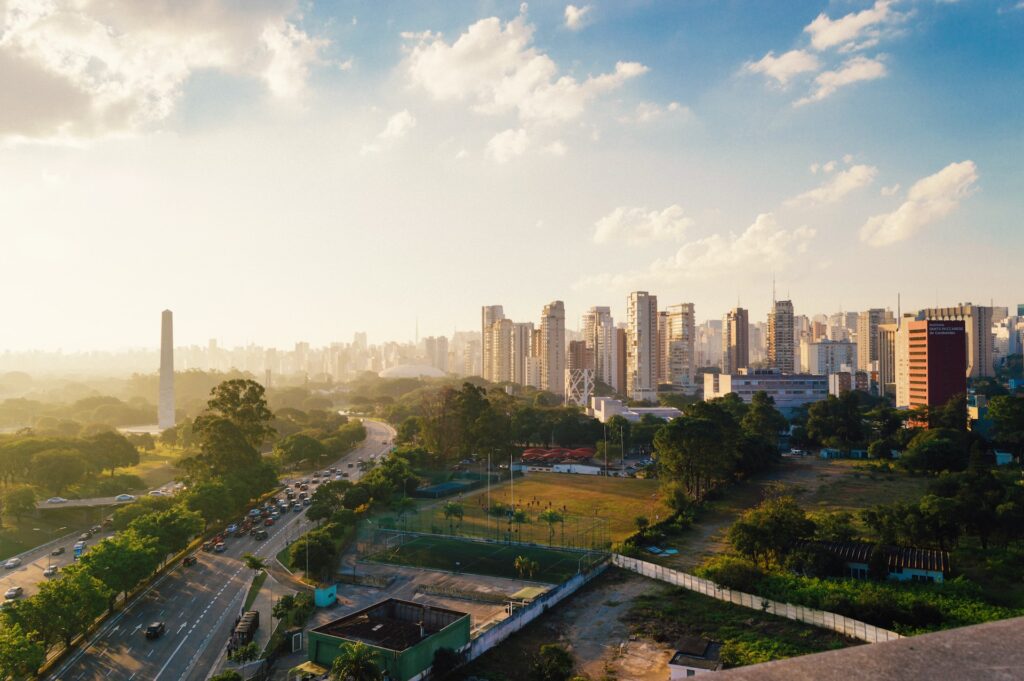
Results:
x,y
309,171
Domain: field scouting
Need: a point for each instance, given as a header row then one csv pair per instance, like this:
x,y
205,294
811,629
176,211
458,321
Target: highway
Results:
x,y
198,604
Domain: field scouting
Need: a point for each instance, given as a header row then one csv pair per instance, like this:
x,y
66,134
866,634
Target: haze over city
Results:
x,y
305,171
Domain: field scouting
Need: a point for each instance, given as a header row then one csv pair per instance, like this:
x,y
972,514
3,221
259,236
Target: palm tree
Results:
x,y
254,563
357,662
551,516
520,517
520,564
453,510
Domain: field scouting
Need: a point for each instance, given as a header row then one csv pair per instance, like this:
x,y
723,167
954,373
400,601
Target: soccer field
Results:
x,y
496,560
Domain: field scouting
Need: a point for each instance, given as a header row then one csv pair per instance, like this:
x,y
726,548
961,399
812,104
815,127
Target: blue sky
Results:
x,y
278,171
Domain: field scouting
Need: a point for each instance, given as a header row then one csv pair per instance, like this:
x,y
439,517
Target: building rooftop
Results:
x,y
993,651
899,556
392,624
697,652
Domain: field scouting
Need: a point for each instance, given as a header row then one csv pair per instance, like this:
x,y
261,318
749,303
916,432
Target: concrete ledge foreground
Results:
x,y
988,652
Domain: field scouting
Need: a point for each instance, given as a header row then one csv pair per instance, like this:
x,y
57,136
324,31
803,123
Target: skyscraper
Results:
x,y
641,346
933,362
165,410
781,347
735,341
599,335
552,348
488,315
679,358
887,358
977,321
867,336
522,337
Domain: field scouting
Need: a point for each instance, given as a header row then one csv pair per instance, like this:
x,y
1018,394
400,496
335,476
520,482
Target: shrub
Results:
x,y
732,572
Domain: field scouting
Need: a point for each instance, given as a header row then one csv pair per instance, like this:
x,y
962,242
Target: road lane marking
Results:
x,y
183,625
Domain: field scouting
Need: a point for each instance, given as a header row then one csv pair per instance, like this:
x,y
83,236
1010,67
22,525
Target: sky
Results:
x,y
276,171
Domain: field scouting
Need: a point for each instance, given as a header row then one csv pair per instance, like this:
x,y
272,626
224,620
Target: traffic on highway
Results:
x,y
195,606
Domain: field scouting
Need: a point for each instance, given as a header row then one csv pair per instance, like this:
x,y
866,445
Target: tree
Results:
x,y
836,421
356,662
552,663
254,563
453,509
642,524
698,451
763,419
122,561
243,403
247,653
109,451
299,447
768,532
55,469
317,550
21,654
172,529
211,500
223,450
1007,414
551,517
19,501
521,565
936,450
836,526
72,602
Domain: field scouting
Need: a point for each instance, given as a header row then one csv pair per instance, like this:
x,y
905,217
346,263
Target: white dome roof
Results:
x,y
411,371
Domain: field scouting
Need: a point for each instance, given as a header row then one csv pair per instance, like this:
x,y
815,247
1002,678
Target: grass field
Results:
x,y
495,560
155,467
860,489
20,535
598,510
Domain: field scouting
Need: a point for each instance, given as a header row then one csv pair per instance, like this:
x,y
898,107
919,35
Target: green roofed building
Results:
x,y
404,634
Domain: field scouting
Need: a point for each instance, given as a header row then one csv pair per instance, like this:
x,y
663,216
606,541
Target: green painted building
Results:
x,y
404,634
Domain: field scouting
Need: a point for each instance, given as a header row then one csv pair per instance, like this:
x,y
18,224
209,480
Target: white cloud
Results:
x,y
346,65
577,17
845,31
929,199
508,144
890,190
852,71
761,248
398,126
784,67
77,69
838,186
496,68
647,112
639,225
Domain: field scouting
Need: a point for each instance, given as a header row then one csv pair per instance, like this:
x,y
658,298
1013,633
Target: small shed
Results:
x,y
694,655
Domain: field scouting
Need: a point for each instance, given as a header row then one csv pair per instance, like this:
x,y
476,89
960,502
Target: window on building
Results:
x,y
690,672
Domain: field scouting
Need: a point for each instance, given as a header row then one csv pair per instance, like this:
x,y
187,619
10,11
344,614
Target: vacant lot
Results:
x,y
861,488
495,560
596,510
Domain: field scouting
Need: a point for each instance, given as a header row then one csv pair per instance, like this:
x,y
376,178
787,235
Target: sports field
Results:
x,y
554,566
595,510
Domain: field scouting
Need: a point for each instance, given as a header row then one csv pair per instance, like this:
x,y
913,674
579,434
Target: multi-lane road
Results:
x,y
198,604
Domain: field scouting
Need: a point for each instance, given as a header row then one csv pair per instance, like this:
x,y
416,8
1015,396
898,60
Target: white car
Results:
x,y
12,563
51,571
56,500
124,497
13,592
158,493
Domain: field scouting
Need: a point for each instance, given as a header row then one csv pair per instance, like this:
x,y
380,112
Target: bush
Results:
x,y
732,572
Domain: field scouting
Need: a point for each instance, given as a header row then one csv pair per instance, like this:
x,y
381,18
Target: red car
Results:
x,y
268,522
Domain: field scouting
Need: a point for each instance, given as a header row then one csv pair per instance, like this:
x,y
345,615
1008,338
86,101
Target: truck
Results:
x,y
245,628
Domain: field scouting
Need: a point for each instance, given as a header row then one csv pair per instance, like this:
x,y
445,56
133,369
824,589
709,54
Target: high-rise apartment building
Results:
x,y
522,340
867,336
435,348
931,362
580,357
886,348
499,344
678,357
781,348
599,335
488,315
735,341
642,346
165,410
977,321
827,357
620,354
552,348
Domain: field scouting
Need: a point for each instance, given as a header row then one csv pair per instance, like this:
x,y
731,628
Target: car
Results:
x,y
56,500
85,536
51,571
121,498
231,529
345,474
269,522
207,546
253,513
190,560
297,508
155,630
59,551
350,465
96,529
260,535
307,501
275,514
13,592
12,563
157,493
219,547
79,545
